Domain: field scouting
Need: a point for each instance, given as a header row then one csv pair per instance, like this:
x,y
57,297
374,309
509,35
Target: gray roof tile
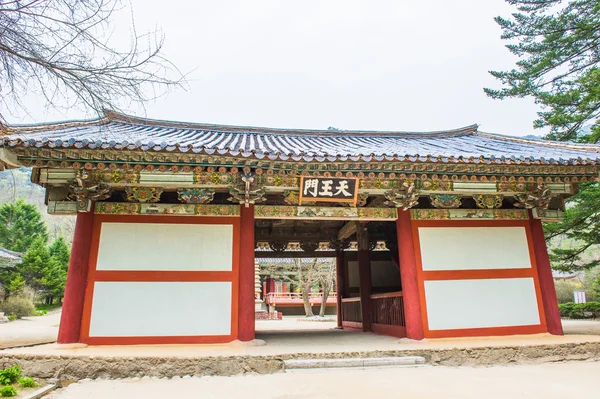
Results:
x,y
125,132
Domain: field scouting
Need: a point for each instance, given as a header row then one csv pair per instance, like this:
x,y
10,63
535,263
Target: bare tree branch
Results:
x,y
64,51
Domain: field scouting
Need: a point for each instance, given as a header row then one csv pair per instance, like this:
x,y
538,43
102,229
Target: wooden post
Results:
x,y
408,276
339,284
246,264
547,289
364,273
77,274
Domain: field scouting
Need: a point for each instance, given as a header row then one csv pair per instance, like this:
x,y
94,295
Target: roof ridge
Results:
x,y
547,143
115,116
7,129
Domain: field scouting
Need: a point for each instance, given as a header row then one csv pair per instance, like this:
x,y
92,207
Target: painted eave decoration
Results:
x,y
132,134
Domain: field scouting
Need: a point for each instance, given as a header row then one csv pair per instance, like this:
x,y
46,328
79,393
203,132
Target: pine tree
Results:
x,y
36,267
16,285
59,251
559,67
20,225
559,64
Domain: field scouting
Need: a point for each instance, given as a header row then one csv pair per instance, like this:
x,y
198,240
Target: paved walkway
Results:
x,y
289,335
293,336
546,381
30,330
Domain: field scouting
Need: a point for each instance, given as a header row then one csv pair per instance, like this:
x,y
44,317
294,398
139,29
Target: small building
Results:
x,y
9,258
169,215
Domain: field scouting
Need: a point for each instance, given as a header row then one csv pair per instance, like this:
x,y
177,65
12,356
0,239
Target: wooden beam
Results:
x,y
295,254
346,231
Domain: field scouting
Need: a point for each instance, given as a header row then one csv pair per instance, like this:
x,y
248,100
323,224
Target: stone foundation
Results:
x,y
74,368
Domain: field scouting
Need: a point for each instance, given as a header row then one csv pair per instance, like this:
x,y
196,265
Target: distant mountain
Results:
x,y
16,184
532,137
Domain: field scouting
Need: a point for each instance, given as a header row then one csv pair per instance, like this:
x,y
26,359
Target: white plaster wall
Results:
x,y
474,248
141,309
159,246
456,304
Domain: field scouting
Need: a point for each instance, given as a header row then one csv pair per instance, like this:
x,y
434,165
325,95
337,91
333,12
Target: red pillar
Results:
x,y
270,284
549,299
246,264
408,276
339,284
72,309
364,274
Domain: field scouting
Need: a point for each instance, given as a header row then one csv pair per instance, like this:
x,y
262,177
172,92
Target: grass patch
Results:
x,y
47,307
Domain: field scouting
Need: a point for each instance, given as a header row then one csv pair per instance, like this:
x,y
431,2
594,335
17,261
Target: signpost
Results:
x,y
328,189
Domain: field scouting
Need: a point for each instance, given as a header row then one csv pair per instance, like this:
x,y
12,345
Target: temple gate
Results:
x,y
170,214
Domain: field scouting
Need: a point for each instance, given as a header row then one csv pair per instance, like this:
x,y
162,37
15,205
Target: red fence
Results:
x,y
295,299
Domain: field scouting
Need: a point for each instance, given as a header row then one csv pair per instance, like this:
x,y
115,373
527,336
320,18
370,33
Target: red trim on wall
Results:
x,y
77,276
160,275
546,280
477,274
474,274
160,340
487,331
154,276
409,276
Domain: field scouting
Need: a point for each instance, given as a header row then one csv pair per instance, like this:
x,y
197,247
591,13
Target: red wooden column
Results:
x,y
72,309
339,284
246,289
364,274
549,299
408,276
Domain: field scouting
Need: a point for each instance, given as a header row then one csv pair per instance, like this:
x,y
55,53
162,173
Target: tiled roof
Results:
x,y
121,132
9,258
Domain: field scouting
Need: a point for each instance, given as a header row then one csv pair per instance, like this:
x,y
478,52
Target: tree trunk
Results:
x,y
326,289
306,300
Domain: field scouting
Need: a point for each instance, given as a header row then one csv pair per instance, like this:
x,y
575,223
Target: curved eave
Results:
x,y
290,157
122,133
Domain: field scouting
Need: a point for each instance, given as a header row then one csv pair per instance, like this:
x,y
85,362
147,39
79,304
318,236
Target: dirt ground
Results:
x,y
30,330
547,381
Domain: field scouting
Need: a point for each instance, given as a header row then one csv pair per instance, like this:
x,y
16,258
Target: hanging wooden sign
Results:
x,y
328,189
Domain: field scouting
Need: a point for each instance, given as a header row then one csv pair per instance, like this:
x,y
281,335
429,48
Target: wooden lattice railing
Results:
x,y
351,311
388,309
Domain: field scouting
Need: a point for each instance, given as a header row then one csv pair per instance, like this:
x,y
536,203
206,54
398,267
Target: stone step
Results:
x,y
295,364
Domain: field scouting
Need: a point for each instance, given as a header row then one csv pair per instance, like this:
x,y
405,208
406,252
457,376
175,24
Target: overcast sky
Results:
x,y
376,65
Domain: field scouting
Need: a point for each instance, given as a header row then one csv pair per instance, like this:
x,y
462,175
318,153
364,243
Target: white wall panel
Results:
x,y
161,246
141,309
473,248
456,304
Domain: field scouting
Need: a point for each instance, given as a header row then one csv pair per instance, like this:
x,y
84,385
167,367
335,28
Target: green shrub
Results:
x,y
566,309
11,317
27,382
8,391
579,310
39,312
43,306
10,375
19,306
593,308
